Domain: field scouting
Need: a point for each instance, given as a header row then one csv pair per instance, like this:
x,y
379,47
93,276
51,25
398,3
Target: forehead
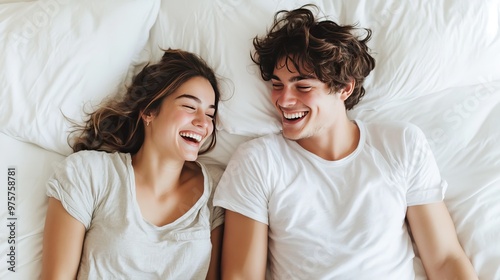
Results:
x,y
195,88
293,65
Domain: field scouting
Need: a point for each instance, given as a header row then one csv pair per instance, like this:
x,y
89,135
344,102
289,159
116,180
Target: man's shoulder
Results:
x,y
262,144
392,128
388,124
393,136
268,138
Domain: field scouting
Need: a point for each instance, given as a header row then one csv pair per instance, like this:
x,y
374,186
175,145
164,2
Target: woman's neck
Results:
x,y
156,173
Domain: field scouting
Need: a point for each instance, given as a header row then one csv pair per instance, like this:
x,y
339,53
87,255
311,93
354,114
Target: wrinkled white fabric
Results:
x,y
98,189
340,219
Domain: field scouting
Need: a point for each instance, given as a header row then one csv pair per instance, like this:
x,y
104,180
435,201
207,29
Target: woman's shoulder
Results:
x,y
94,157
212,171
93,161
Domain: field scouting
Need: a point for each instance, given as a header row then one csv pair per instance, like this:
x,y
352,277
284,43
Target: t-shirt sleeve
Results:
x,y
70,184
423,178
244,186
216,213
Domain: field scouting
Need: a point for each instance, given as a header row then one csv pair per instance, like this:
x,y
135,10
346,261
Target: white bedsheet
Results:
x,y
463,127
467,152
33,167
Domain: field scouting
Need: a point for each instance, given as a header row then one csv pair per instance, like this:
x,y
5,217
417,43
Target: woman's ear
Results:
x,y
347,90
147,118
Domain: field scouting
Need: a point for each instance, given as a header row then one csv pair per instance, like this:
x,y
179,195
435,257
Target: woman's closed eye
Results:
x,y
193,109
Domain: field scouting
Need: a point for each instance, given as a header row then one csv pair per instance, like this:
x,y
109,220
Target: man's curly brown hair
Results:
x,y
332,52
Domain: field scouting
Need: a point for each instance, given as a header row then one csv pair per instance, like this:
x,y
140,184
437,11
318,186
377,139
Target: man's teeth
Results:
x,y
294,115
191,135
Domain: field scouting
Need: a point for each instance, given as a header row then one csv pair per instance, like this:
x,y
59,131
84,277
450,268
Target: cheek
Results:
x,y
211,128
320,100
181,116
274,96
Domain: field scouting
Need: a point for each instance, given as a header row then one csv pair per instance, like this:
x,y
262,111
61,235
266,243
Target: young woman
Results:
x,y
132,202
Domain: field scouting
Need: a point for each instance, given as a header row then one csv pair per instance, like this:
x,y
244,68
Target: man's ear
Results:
x,y
347,90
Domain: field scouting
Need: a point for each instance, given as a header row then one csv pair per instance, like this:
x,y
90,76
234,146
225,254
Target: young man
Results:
x,y
331,198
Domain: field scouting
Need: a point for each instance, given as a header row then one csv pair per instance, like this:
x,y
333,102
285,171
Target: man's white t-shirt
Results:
x,y
98,189
341,219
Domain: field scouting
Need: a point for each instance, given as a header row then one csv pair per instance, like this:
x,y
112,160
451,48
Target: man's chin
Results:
x,y
291,135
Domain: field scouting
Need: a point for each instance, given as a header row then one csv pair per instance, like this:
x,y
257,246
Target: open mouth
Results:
x,y
294,116
191,137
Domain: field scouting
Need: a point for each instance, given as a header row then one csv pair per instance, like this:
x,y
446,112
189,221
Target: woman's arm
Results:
x,y
244,249
437,242
214,268
62,243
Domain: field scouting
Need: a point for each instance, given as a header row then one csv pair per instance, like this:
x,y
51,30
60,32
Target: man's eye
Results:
x,y
277,85
189,107
304,88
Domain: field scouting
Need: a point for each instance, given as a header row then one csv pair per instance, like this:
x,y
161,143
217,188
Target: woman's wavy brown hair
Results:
x,y
331,51
117,125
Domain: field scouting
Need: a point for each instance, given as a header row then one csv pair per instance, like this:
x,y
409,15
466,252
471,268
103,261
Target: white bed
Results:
x,y
438,66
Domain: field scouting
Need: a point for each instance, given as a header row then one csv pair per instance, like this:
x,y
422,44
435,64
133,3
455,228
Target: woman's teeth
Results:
x,y
193,136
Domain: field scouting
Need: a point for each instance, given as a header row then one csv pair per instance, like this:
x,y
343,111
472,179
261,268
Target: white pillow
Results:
x,y
221,33
59,55
421,47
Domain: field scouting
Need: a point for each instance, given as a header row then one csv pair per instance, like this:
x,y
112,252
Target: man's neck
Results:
x,y
337,143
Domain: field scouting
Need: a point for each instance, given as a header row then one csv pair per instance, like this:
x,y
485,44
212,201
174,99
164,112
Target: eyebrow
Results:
x,y
192,97
294,78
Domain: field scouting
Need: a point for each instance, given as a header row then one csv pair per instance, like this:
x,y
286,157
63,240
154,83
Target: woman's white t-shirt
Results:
x,y
98,189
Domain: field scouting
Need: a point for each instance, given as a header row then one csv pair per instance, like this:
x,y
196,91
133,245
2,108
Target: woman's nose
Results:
x,y
201,120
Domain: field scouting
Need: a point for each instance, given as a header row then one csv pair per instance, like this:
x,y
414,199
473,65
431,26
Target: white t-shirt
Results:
x,y
98,189
341,219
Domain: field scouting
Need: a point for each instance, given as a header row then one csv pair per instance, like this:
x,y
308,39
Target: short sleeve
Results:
x,y
71,185
423,178
243,188
216,213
